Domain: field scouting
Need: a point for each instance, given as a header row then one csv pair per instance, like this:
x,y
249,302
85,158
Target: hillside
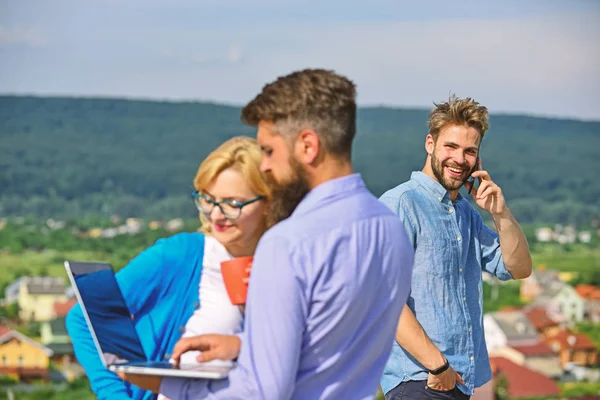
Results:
x,y
69,157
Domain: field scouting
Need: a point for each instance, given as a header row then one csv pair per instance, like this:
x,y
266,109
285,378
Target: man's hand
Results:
x,y
444,381
147,382
212,347
488,195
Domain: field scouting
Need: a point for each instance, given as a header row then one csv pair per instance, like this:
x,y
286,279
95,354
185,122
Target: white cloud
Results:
x,y
546,64
21,36
234,53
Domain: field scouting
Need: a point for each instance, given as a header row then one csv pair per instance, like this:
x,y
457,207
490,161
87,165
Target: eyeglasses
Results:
x,y
231,209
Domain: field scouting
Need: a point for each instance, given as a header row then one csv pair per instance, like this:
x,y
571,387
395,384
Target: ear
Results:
x,y
429,144
307,146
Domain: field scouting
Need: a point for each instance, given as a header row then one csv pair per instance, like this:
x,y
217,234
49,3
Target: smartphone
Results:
x,y
471,179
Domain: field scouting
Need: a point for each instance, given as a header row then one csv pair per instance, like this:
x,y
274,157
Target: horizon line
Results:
x,y
239,105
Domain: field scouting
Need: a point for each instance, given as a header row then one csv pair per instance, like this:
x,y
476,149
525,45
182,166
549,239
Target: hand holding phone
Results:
x,y
471,180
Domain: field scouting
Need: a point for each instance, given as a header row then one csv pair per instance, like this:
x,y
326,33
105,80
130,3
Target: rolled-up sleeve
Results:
x,y
272,338
491,254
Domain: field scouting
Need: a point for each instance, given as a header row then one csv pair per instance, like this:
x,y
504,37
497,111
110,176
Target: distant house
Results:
x,y
154,225
508,328
61,308
539,280
585,236
22,357
54,332
544,288
568,302
538,357
54,336
591,298
522,381
175,225
561,299
36,296
546,324
3,329
574,347
544,234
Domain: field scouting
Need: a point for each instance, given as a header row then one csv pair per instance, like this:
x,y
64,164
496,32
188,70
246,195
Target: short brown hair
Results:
x,y
316,98
458,112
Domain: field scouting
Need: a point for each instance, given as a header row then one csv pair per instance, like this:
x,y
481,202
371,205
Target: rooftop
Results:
x,y
515,325
62,308
522,381
538,349
539,318
573,341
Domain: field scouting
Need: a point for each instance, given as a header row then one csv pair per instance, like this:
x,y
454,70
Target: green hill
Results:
x,y
70,157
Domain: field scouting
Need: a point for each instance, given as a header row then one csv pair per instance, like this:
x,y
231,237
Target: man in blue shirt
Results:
x,y
330,280
440,349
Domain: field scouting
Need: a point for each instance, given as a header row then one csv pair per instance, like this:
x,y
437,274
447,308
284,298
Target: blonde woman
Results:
x,y
174,288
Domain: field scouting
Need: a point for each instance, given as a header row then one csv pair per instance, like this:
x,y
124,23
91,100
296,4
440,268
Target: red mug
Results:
x,y
234,273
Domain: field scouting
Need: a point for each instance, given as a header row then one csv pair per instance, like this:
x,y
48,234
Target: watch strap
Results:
x,y
441,369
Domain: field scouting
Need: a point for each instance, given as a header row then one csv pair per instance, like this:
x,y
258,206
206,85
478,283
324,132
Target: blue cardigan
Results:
x,y
160,287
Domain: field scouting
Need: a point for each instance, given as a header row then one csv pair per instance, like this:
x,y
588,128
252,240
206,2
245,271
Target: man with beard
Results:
x,y
440,349
330,279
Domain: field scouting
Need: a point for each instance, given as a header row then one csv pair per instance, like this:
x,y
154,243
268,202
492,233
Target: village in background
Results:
x,y
542,333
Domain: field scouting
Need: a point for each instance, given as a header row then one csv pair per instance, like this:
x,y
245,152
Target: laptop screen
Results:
x,y
110,319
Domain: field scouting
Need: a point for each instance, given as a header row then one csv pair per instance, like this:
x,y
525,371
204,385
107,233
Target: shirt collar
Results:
x,y
333,187
436,188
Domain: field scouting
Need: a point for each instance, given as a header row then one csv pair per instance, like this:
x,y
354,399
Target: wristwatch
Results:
x,y
441,369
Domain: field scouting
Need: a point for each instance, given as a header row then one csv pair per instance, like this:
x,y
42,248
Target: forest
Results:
x,y
80,157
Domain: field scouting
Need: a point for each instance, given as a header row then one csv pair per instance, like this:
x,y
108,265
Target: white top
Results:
x,y
216,314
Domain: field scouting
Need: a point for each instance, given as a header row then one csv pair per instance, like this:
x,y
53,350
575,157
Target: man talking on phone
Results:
x,y
440,349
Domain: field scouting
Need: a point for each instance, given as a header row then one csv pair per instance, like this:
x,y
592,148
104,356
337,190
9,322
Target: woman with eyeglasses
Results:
x,y
174,288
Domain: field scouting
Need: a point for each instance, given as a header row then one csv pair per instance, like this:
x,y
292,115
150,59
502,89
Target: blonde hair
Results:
x,y
241,154
458,112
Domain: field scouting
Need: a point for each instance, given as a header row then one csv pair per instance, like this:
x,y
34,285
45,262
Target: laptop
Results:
x,y
112,329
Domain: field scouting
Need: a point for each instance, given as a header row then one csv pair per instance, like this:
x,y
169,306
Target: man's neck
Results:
x,y
330,169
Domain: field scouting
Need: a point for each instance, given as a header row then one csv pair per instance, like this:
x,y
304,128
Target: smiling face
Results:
x,y
453,155
243,232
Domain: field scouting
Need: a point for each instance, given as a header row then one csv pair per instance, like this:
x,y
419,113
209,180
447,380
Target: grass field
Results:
x,y
567,258
41,263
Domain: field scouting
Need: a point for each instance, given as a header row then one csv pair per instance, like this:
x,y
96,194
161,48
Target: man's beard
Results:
x,y
287,195
448,183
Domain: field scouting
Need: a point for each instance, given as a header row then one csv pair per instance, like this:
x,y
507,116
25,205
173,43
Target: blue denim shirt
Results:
x,y
452,248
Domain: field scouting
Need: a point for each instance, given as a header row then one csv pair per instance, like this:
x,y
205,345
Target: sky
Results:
x,y
537,57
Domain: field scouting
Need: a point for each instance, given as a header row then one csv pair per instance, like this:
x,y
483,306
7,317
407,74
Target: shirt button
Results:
x,y
471,358
181,328
196,304
458,238
460,270
464,299
450,210
469,329
439,198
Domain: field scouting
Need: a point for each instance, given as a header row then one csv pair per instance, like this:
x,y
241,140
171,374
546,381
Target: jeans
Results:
x,y
418,390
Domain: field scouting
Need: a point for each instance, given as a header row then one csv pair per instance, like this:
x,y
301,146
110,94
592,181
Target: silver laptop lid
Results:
x,y
107,316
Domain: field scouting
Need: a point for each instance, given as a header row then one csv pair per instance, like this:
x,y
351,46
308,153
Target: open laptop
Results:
x,y
112,329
